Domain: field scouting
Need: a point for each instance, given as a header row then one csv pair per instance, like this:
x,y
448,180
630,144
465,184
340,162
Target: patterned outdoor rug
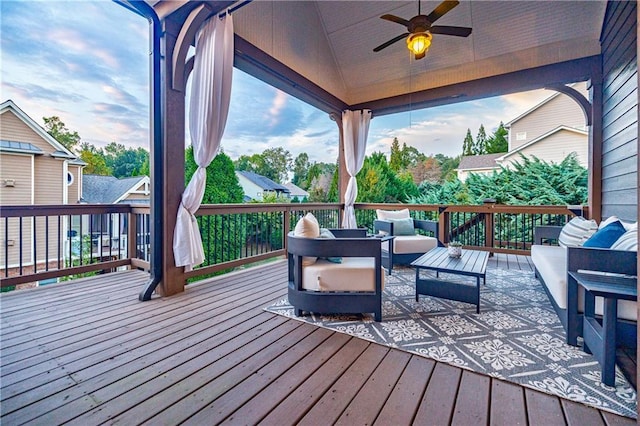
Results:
x,y
516,337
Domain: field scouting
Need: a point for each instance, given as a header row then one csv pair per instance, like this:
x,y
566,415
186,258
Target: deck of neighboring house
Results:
x,y
89,352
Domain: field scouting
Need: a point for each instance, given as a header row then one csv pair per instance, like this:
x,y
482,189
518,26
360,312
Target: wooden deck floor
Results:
x,y
88,353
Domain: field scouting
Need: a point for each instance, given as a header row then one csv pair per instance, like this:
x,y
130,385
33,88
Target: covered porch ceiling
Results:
x,y
322,51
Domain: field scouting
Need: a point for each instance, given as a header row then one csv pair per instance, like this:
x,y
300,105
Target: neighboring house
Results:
x,y
256,186
98,189
477,164
296,192
34,169
551,130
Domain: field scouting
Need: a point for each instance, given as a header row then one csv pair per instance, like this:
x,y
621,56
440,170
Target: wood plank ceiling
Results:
x,y
330,42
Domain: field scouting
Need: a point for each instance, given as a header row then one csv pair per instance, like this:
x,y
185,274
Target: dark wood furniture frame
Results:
x,y
593,259
473,263
389,259
600,339
348,243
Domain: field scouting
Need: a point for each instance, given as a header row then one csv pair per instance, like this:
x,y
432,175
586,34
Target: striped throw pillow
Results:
x,y
577,231
628,241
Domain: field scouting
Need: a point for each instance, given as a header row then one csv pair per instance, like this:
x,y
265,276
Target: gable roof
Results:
x,y
98,189
295,190
60,150
539,138
535,107
263,182
472,162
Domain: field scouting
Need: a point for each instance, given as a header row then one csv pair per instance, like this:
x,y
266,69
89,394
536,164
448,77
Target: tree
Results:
x,y
480,147
395,158
427,170
58,130
467,145
94,157
125,162
301,169
498,141
222,185
273,163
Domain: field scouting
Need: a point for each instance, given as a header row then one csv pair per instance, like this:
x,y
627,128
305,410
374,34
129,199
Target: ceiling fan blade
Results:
x,y
453,31
390,42
442,8
395,19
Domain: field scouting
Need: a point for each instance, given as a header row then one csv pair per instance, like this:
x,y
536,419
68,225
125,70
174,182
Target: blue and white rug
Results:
x,y
517,336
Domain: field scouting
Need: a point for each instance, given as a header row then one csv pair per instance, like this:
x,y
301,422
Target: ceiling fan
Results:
x,y
421,27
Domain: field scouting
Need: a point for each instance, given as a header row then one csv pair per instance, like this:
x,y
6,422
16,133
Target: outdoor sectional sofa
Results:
x,y
352,285
552,264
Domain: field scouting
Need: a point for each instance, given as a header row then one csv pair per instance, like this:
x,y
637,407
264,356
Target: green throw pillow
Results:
x,y
325,233
403,226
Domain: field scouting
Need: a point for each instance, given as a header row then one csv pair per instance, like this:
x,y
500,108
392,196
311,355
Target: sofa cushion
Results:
x,y
606,236
307,227
411,244
576,232
628,241
403,226
551,264
353,274
392,214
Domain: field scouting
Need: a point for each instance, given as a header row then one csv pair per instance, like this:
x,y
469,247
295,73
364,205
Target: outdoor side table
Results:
x,y
600,340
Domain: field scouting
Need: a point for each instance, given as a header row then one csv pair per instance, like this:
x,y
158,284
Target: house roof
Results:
x,y
471,162
535,107
539,138
20,147
330,45
263,182
295,190
60,150
108,189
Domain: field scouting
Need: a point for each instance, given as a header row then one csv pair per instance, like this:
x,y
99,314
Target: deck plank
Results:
x,y
507,404
368,402
88,352
439,398
472,403
407,394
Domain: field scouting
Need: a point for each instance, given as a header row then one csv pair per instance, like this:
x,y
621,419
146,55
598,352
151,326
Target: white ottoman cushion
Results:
x,y
353,274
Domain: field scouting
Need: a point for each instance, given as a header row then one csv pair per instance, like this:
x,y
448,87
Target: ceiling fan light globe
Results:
x,y
419,43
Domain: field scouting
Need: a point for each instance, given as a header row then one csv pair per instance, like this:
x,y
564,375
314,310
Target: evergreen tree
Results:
x,y
300,169
222,185
467,145
395,159
480,147
498,141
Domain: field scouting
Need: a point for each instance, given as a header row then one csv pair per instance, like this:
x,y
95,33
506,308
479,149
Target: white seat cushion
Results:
x,y
353,274
551,263
411,244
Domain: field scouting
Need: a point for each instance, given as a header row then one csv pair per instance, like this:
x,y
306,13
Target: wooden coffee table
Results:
x,y
472,263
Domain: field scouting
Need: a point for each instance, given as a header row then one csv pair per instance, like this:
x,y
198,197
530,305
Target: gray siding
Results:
x,y
620,117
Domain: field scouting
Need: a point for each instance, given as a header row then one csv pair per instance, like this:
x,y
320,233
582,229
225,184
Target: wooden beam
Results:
x,y
595,145
259,64
518,81
172,152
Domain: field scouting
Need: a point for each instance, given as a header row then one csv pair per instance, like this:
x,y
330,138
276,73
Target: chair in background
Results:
x,y
407,245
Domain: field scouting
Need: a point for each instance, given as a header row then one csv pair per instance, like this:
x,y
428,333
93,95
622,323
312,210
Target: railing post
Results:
x,y
443,224
132,232
285,226
489,224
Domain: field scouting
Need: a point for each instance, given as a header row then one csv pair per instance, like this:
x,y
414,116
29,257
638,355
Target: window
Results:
x,y
521,136
69,178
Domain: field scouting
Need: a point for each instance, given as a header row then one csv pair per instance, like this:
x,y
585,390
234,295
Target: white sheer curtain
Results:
x,y
355,125
208,109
